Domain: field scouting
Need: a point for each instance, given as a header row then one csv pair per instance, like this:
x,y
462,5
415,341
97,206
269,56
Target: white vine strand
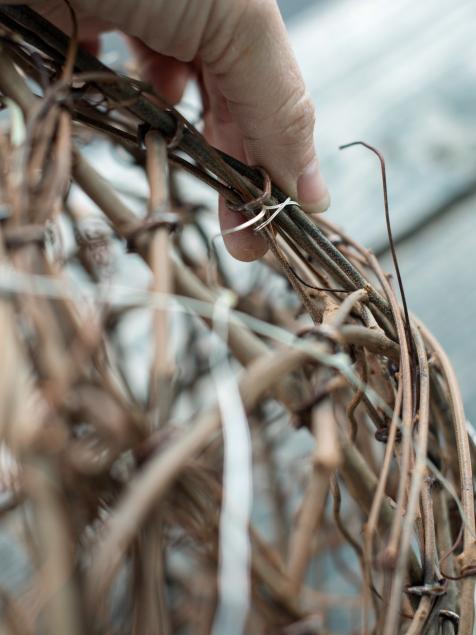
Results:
x,y
234,586
279,208
252,221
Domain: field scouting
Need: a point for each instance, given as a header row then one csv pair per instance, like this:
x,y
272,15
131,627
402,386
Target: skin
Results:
x,y
256,104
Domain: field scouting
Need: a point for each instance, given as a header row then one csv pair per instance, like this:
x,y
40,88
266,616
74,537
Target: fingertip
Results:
x,y
312,191
245,245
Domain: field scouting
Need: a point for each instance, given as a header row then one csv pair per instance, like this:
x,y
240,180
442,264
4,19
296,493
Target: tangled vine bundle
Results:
x,y
134,510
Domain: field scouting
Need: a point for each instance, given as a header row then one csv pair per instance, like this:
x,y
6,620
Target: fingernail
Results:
x,y
312,190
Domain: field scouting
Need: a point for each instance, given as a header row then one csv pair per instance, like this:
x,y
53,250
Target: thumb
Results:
x,y
254,69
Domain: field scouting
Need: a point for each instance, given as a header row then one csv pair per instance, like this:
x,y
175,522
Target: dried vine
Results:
x,y
118,483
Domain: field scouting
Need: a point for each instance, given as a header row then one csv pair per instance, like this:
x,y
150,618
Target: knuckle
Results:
x,y
298,119
222,44
234,28
176,29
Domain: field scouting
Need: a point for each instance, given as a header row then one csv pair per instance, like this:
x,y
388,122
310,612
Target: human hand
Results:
x,y
256,105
